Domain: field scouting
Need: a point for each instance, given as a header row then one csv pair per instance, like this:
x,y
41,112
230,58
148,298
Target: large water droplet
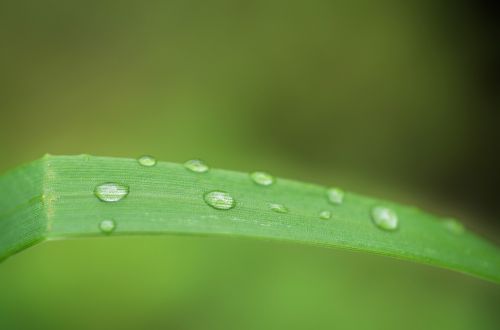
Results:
x,y
196,165
262,178
107,226
385,218
279,208
335,195
147,161
111,192
219,200
325,215
454,226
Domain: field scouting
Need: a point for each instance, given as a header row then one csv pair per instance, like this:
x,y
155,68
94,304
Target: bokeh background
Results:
x,y
396,99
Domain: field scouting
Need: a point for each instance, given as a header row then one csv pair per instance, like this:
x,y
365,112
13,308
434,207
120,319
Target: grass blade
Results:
x,y
55,198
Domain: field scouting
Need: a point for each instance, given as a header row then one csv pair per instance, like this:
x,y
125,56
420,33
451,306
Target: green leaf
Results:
x,y
55,198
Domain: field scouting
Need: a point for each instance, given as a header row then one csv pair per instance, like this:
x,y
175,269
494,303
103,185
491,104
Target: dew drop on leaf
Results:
x,y
325,215
384,218
454,226
111,192
107,226
335,195
278,208
196,165
262,178
147,161
219,200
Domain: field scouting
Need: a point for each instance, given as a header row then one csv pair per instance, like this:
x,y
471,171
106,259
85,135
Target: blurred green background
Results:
x,y
394,99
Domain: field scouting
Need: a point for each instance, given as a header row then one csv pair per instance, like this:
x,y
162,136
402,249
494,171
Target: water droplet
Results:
x,y
384,218
335,195
219,200
85,157
107,226
454,226
262,178
325,215
147,161
196,165
279,208
111,192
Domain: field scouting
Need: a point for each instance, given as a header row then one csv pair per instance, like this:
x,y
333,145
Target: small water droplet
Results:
x,y
279,208
384,218
335,195
325,215
107,226
262,178
219,200
85,157
196,165
111,192
454,226
147,161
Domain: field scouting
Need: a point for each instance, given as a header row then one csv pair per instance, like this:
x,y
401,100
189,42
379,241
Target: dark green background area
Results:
x,y
388,98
